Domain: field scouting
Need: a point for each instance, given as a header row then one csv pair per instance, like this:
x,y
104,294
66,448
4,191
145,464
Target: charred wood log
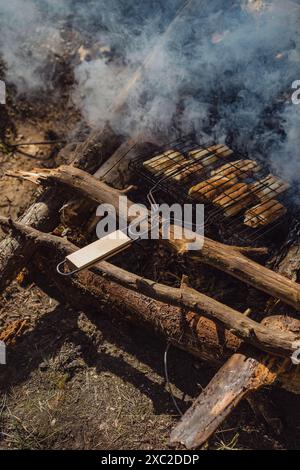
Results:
x,y
96,149
218,255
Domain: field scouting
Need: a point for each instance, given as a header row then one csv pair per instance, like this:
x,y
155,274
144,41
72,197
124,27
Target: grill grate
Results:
x,y
173,182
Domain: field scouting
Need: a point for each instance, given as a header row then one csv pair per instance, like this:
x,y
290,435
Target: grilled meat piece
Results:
x,y
264,214
269,188
207,190
173,164
200,152
210,155
234,199
238,168
185,170
163,162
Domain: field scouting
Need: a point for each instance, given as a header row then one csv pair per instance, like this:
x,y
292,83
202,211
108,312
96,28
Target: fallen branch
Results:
x,y
223,257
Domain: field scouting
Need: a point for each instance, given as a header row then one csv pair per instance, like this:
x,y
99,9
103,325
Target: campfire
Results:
x,y
273,340
250,232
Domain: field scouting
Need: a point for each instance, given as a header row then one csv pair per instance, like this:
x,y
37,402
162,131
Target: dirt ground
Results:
x,y
78,381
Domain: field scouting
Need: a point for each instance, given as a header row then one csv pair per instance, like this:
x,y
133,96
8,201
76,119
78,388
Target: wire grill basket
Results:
x,y
180,171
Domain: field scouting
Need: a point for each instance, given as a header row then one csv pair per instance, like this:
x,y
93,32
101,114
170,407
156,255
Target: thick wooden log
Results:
x,y
290,264
216,254
274,342
44,213
14,253
239,376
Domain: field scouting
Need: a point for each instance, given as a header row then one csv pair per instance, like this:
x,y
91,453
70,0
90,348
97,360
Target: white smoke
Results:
x,y
225,67
25,42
